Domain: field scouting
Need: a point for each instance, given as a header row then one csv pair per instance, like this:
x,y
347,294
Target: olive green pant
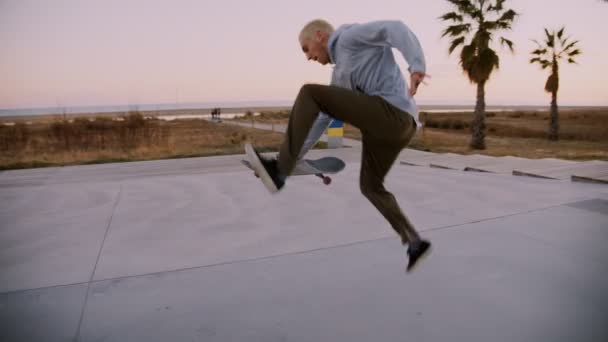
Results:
x,y
385,130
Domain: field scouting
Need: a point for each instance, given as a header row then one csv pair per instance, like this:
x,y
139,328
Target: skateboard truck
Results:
x,y
326,179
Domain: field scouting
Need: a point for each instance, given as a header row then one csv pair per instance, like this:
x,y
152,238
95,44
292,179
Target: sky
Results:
x,y
65,53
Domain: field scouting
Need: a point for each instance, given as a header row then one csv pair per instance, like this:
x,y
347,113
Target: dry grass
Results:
x,y
583,134
584,125
82,141
442,141
280,116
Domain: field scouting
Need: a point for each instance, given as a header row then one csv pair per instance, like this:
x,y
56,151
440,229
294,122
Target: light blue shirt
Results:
x,y
363,61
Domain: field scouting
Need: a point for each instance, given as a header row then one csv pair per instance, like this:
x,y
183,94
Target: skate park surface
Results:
x,y
197,250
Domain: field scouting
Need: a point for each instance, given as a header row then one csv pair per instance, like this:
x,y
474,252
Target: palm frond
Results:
x,y
504,41
464,6
537,43
467,54
539,52
467,60
455,43
569,46
574,53
497,7
488,61
503,23
495,25
508,16
461,2
456,30
499,3
550,38
560,32
552,83
571,61
540,61
482,38
478,65
452,16
476,13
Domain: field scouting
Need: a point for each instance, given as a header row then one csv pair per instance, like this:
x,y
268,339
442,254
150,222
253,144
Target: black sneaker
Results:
x,y
417,252
267,169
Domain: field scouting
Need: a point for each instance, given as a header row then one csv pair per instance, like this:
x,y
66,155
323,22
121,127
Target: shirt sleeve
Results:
x,y
390,33
318,128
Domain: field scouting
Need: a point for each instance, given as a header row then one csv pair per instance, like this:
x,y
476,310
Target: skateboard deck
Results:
x,y
317,167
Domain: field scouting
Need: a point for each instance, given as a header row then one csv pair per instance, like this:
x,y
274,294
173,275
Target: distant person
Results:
x,y
219,113
367,91
215,114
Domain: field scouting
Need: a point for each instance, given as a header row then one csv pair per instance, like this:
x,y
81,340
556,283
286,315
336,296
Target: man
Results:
x,y
367,91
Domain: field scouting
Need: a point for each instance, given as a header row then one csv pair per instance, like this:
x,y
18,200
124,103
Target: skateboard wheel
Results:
x,y
326,180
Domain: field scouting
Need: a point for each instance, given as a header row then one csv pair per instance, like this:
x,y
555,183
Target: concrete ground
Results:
x,y
197,250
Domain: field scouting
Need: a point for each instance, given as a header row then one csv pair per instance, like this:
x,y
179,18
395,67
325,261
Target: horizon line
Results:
x,y
261,103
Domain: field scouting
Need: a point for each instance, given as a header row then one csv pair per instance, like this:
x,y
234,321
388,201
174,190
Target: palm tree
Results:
x,y
482,18
548,54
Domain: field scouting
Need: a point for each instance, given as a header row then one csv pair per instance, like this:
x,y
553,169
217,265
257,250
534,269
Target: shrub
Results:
x,y
14,138
515,115
459,124
236,138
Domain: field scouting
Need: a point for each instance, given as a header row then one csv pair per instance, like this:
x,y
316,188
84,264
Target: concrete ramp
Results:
x,y
550,168
426,159
594,174
461,162
506,165
562,172
414,157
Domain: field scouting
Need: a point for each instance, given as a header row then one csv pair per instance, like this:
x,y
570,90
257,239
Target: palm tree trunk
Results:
x,y
478,125
554,122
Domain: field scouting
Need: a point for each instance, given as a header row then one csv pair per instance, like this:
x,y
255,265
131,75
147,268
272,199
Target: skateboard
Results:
x,y
318,167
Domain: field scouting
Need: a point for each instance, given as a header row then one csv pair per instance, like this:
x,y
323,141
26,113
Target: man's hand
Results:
x,y
415,80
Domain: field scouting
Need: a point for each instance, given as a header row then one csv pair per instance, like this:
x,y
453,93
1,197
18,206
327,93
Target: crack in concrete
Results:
x,y
86,298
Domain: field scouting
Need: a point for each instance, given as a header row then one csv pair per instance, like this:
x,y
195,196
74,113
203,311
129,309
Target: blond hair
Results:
x,y
312,27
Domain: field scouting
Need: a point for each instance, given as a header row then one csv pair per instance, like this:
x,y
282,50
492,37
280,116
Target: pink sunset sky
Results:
x,y
111,52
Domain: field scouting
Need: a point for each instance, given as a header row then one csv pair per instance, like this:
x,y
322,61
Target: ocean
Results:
x,y
232,105
140,107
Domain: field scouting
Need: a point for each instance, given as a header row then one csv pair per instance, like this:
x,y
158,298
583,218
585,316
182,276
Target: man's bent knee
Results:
x,y
369,188
310,88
